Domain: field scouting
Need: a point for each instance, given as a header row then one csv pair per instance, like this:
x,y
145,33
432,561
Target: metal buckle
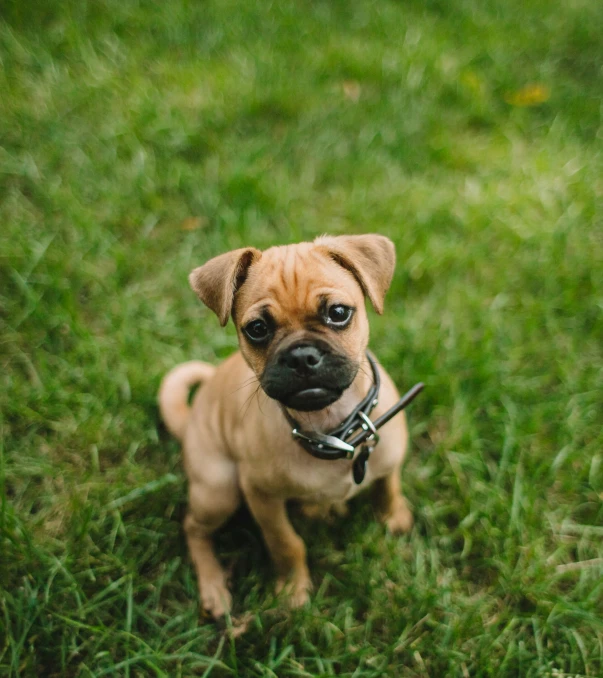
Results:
x,y
369,426
322,441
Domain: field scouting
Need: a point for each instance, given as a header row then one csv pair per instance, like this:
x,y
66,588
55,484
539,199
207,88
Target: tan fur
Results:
x,y
371,258
236,442
174,391
217,281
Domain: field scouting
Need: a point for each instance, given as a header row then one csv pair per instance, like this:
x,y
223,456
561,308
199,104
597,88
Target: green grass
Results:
x,y
140,138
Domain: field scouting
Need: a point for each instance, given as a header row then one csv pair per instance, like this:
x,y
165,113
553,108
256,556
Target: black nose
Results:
x,y
303,359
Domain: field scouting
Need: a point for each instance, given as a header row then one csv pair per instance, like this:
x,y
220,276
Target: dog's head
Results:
x,y
299,311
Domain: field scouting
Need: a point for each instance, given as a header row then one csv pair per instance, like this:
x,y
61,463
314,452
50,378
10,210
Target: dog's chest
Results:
x,y
272,460
318,480
294,474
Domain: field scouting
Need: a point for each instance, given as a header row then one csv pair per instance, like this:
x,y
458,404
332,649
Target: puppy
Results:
x,y
303,332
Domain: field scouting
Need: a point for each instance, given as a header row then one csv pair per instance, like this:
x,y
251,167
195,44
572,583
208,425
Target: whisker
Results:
x,y
327,415
363,370
245,384
259,394
249,399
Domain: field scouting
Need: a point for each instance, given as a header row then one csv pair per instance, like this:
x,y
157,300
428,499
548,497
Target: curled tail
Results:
x,y
174,391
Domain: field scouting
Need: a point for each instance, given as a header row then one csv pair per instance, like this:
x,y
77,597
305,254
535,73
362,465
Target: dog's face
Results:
x,y
299,311
302,326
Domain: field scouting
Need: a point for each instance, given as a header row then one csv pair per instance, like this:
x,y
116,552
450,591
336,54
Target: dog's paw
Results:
x,y
215,598
399,520
340,509
326,512
296,589
314,511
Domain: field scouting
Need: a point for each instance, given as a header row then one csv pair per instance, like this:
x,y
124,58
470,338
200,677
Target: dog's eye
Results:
x,y
257,331
339,315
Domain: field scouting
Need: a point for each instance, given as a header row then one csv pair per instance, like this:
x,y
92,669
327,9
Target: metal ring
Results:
x,y
369,426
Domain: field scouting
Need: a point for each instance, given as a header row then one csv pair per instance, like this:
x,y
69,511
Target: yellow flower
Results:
x,y
533,94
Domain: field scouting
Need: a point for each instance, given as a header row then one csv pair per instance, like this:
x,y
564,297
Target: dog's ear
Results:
x,y
371,258
217,280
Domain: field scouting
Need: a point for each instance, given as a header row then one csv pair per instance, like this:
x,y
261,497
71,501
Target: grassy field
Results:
x,y
138,139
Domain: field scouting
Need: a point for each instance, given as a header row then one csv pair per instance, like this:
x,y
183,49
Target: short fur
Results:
x,y
237,444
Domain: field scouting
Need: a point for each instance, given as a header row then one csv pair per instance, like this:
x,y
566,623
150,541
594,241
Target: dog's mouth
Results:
x,y
307,376
311,399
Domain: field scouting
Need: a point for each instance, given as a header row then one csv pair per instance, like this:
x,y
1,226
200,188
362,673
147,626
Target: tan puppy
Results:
x,y
303,332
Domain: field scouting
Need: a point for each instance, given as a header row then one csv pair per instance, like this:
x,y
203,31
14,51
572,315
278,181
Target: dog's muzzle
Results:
x,y
307,376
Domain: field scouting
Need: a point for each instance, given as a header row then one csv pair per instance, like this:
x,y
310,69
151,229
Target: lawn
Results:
x,y
140,138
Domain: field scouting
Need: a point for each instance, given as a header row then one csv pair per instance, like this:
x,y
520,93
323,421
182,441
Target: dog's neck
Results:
x,y
328,418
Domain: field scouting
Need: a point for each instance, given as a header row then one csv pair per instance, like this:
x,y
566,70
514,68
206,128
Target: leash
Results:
x,y
339,443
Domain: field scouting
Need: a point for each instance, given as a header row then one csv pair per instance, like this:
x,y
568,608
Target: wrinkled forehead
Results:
x,y
295,279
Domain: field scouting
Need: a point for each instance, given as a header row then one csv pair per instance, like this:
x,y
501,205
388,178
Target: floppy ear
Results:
x,y
217,281
370,258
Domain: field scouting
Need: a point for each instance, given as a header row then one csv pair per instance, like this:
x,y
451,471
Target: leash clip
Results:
x,y
325,442
368,425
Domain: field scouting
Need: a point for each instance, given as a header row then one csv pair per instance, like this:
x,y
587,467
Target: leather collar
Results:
x,y
340,443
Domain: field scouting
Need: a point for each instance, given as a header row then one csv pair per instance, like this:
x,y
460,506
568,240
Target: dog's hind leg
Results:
x,y
213,498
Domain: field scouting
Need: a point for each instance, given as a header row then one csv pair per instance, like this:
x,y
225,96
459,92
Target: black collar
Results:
x,y
339,443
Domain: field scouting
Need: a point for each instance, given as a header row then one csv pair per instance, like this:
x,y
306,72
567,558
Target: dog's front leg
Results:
x,y
286,547
394,509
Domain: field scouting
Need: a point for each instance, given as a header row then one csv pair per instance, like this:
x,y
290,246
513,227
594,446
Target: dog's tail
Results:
x,y
174,391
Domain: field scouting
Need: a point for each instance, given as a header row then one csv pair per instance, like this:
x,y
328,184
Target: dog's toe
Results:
x,y
326,512
297,590
314,511
340,509
216,599
400,520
